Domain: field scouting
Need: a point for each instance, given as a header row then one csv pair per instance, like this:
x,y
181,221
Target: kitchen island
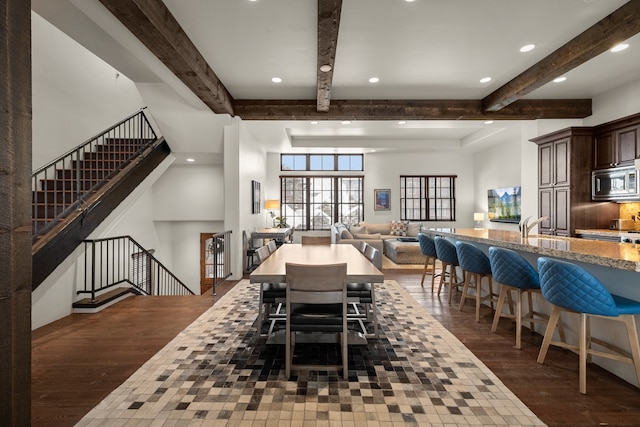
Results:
x,y
604,253
616,264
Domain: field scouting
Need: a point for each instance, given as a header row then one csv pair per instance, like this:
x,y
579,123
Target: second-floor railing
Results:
x,y
121,260
64,184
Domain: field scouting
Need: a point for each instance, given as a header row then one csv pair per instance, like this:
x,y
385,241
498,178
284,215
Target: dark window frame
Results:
x,y
430,198
336,162
307,223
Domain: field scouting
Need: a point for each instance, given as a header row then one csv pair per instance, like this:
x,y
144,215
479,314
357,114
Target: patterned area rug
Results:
x,y
220,372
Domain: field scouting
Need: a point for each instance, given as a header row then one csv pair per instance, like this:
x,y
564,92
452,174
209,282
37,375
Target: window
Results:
x,y
316,202
428,198
321,162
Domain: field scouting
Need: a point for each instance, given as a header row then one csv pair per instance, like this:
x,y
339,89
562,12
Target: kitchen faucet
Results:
x,y
525,227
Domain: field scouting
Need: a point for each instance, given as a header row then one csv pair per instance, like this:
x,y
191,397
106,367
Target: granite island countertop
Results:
x,y
624,256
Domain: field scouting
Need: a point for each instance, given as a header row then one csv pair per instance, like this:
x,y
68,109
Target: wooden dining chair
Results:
x,y
316,302
316,240
272,245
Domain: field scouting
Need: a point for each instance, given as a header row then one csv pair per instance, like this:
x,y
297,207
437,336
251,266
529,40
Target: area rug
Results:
x,y
220,372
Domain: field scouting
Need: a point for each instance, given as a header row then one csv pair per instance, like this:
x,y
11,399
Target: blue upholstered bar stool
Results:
x,y
515,274
428,249
446,252
475,265
571,288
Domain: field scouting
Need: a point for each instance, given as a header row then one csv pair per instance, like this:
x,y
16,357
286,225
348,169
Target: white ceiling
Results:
x,y
425,49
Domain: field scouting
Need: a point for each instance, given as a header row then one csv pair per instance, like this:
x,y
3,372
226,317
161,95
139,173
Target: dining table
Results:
x,y
359,270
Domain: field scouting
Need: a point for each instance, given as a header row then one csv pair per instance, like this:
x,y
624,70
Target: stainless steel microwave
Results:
x,y
616,184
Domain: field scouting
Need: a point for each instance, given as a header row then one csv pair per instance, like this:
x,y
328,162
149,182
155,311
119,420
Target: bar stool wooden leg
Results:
x,y
496,317
583,353
634,344
548,334
519,319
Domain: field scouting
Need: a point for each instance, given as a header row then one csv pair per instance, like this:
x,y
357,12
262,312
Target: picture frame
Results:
x,y
382,200
255,197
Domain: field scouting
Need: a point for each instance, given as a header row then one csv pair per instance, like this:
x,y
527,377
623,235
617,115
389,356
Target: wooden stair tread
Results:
x,y
104,298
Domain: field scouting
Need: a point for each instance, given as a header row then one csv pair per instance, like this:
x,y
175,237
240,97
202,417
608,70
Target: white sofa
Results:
x,y
380,237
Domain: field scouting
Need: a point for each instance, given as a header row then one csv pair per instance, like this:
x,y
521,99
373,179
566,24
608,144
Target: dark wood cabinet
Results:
x,y
627,144
564,181
603,151
616,144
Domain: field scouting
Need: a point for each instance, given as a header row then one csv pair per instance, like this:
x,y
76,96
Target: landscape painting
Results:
x,y
504,204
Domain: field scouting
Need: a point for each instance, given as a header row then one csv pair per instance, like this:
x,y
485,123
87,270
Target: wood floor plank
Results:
x,y
80,359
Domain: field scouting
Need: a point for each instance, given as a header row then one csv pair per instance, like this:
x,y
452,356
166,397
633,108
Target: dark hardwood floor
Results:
x,y
80,359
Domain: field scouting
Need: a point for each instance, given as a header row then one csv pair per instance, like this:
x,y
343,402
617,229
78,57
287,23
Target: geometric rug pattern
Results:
x,y
219,371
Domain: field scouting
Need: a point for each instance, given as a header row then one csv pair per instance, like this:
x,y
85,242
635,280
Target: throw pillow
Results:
x,y
414,229
346,234
376,236
358,229
399,228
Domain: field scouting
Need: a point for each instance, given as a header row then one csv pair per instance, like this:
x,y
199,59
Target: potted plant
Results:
x,y
280,222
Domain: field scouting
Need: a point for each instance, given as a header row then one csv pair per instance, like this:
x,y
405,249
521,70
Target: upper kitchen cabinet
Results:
x,y
617,143
564,180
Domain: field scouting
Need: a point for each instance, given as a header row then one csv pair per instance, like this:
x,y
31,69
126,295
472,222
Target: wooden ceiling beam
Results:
x,y
411,110
154,25
328,25
613,29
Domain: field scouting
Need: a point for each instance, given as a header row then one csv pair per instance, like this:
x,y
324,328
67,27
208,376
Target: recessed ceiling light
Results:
x,y
402,122
619,47
485,80
190,160
373,151
374,80
325,68
409,1
527,48
559,79
276,80
488,122
346,122
314,122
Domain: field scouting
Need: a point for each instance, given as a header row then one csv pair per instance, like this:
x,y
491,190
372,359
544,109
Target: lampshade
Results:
x,y
272,204
478,216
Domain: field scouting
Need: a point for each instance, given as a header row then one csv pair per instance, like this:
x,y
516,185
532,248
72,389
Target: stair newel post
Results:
x,y
77,172
93,271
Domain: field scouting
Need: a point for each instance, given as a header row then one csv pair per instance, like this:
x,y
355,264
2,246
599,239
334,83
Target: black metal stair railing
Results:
x,y
65,183
121,260
222,258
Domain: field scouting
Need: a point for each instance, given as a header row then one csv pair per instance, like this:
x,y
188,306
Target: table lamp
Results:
x,y
478,217
271,205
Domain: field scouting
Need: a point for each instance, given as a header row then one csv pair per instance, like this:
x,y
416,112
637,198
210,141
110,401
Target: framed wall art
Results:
x,y
382,200
255,197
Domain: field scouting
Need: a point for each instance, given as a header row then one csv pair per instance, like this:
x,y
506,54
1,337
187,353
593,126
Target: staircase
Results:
x,y
74,193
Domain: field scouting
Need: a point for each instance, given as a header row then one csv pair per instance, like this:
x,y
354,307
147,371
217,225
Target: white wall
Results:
x,y
190,193
76,95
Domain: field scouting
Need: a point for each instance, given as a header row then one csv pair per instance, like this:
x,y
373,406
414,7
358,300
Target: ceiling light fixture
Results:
x,y
374,80
402,122
527,48
559,79
488,122
190,160
485,80
276,80
619,47
325,68
346,122
409,1
314,122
